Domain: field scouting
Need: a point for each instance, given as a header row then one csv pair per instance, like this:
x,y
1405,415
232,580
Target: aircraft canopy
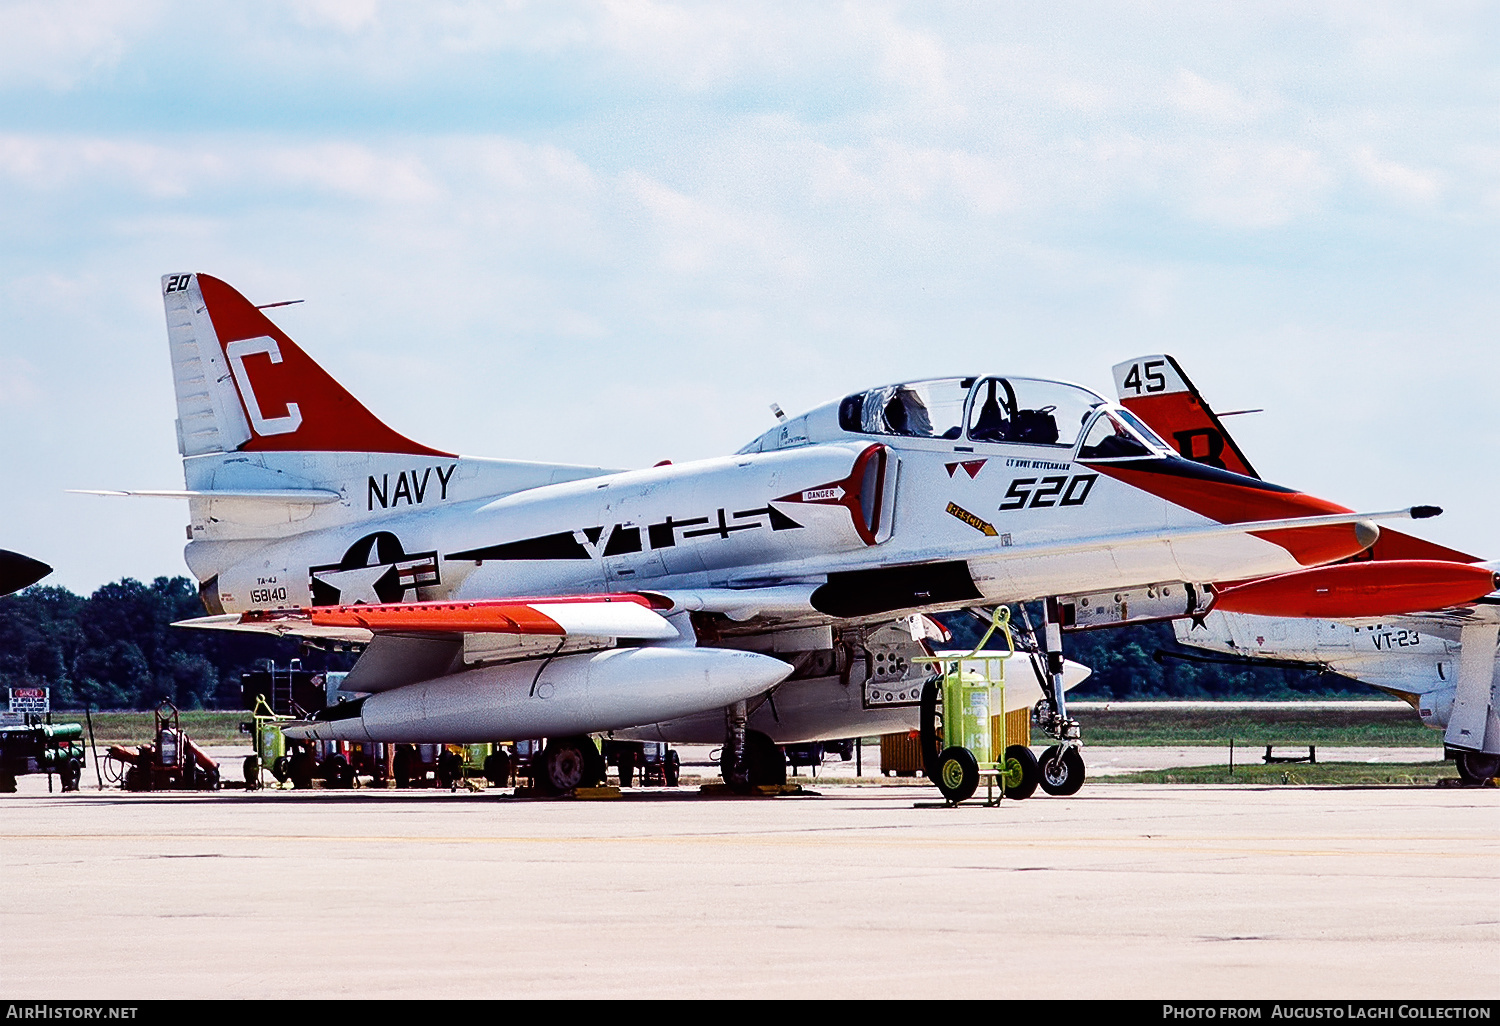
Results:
x,y
992,409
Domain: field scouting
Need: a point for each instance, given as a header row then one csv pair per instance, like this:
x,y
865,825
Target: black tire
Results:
x,y
497,769
563,766
302,768
401,766
627,768
336,771
957,774
281,769
765,764
450,769
208,780
928,724
1061,776
672,769
71,773
767,760
7,783
252,772
596,768
1476,767
1019,773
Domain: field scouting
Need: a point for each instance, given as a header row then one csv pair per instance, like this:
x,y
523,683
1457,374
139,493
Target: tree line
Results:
x,y
116,649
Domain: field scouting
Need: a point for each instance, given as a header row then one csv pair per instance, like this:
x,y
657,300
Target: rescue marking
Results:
x,y
983,527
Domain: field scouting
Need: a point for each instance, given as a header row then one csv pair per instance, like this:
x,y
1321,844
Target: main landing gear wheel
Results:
x,y
1476,767
568,763
1061,771
1019,773
957,774
929,730
764,764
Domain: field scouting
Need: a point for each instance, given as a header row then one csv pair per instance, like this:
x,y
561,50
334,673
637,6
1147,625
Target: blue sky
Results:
x,y
614,233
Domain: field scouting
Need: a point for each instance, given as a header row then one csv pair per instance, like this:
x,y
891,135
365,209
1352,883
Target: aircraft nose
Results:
x,y
18,571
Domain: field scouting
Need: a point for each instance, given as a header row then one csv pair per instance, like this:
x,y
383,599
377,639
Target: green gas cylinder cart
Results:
x,y
972,688
270,745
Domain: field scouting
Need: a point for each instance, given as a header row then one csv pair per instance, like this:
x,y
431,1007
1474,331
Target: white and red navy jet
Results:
x,y
503,599
1437,653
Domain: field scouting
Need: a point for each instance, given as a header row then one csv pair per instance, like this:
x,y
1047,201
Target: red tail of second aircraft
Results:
x,y
1156,389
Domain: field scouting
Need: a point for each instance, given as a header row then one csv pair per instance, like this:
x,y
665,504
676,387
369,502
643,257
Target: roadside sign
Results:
x,y
30,701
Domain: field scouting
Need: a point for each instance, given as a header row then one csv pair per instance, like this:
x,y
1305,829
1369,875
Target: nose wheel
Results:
x,y
1061,770
1060,767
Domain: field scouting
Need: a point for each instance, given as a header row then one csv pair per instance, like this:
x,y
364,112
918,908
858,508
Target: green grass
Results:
x,y
1137,725
1420,774
131,728
1140,725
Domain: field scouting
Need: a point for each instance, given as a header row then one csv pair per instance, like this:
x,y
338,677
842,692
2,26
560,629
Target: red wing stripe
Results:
x,y
460,617
484,616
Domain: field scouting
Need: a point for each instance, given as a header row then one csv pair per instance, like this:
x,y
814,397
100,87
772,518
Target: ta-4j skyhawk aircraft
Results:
x,y
1439,656
778,591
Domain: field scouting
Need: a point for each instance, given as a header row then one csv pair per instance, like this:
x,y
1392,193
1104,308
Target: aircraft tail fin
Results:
x,y
243,385
1156,389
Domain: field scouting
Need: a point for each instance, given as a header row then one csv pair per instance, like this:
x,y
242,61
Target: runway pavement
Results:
x,y
1124,891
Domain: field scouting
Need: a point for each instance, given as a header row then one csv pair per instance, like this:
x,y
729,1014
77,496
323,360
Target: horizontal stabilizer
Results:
x,y
307,496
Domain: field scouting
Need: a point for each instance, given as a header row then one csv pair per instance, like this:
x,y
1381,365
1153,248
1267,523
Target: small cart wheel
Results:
x,y
71,773
1019,773
252,772
957,774
1062,771
672,770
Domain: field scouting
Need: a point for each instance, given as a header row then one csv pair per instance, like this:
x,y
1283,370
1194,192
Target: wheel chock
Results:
x,y
580,793
1460,782
758,791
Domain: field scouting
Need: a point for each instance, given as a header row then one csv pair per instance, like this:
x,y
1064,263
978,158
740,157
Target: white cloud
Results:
x,y
1398,181
58,43
1212,101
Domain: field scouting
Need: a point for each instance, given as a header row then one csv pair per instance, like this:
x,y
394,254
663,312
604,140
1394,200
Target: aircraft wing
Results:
x,y
414,641
597,616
